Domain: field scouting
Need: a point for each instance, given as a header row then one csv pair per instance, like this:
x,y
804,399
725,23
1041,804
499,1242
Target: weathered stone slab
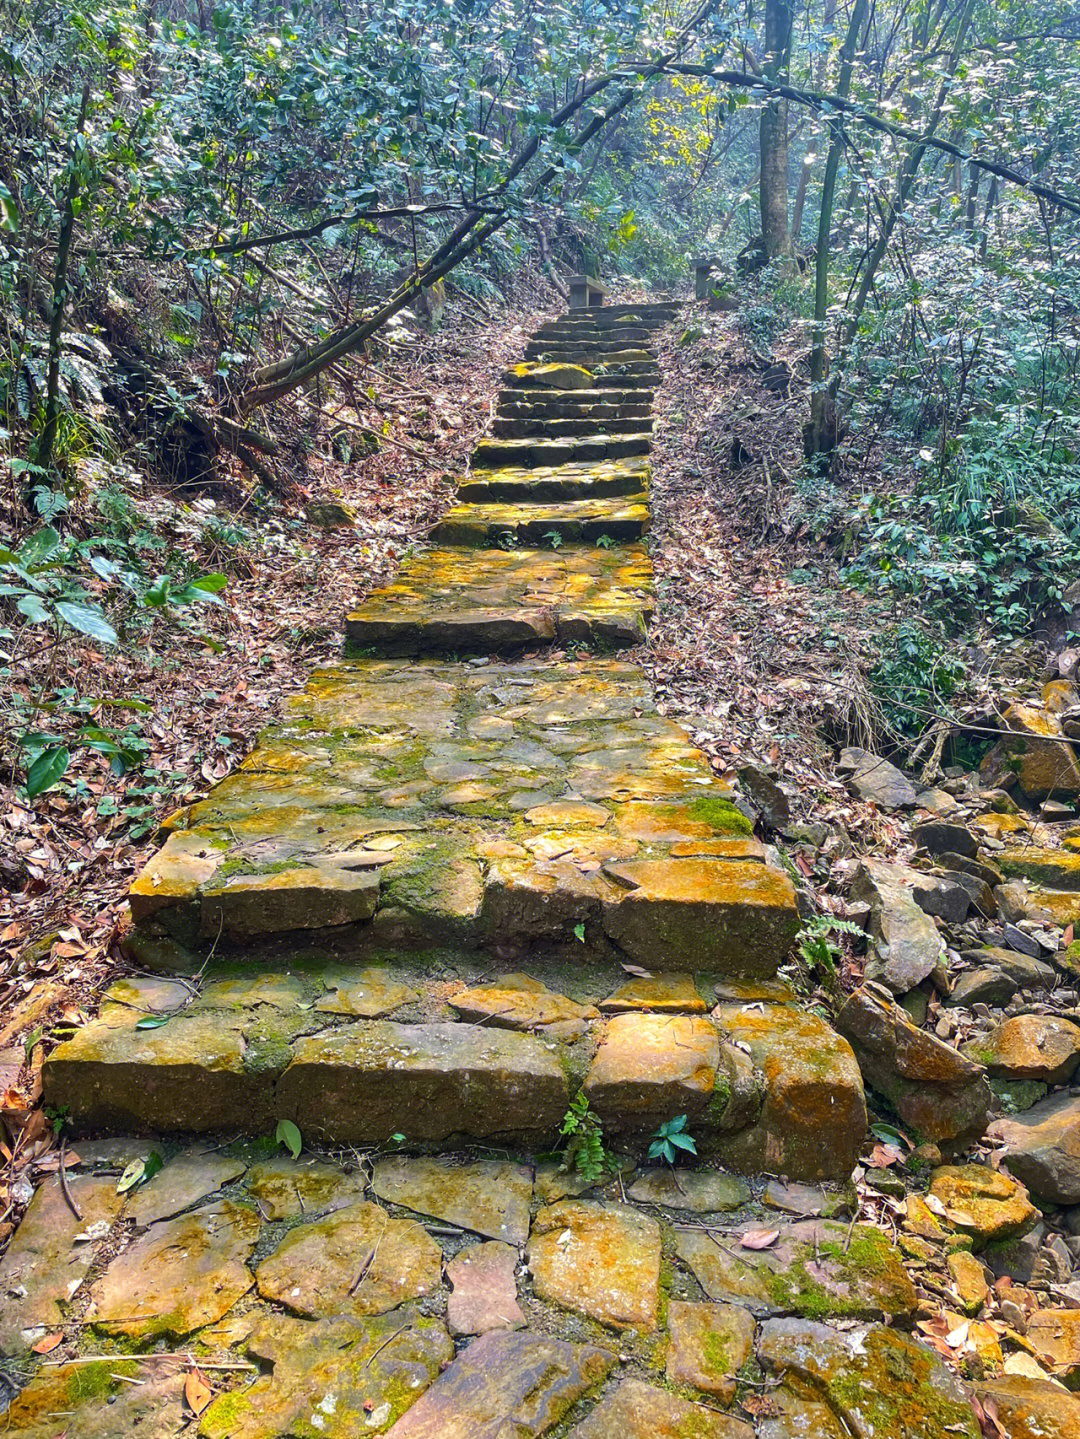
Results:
x,y
506,1384
815,1268
709,1345
367,994
483,1289
577,521
356,1261
335,1378
663,993
652,1067
697,913
179,1276
517,1002
491,600
283,1188
46,1262
489,1197
638,1411
104,1400
701,1191
603,1260
184,1182
190,1074
875,779
813,1119
362,1083
877,1380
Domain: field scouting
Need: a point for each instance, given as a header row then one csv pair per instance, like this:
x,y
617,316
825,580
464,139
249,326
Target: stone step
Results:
x,y
653,316
583,521
356,1055
572,409
633,374
587,352
571,402
625,333
519,427
496,601
502,805
563,482
493,454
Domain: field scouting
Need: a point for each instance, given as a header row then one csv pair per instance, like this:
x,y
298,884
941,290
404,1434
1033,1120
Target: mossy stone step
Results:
x,y
491,454
550,485
496,601
540,426
582,352
573,522
512,803
421,1065
597,411
574,402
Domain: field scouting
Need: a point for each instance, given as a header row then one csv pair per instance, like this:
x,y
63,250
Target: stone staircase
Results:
x,y
472,871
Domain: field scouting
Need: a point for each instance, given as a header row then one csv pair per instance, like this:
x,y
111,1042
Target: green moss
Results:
x,y
718,1101
225,1412
721,814
716,1354
99,1381
893,1390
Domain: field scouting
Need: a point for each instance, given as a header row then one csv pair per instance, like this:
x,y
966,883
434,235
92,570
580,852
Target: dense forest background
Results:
x,y
228,228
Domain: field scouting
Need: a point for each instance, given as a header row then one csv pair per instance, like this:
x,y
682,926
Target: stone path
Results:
x,y
463,883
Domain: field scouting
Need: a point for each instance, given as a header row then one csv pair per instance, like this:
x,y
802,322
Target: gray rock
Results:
x,y
938,837
1019,940
907,943
937,801
979,893
942,897
980,868
985,985
1042,1147
760,786
875,779
1016,1095
1012,901
1025,972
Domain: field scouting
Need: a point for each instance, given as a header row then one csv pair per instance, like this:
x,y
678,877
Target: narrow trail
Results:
x,y
464,883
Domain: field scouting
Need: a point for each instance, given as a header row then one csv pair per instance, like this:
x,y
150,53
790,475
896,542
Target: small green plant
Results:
x,y
605,542
817,946
288,1136
554,538
670,1138
585,1154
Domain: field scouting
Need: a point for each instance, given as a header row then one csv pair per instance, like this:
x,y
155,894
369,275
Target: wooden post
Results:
x,y
586,292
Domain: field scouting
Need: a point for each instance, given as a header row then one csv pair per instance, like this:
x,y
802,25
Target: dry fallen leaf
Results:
x,y
48,1344
759,1238
197,1392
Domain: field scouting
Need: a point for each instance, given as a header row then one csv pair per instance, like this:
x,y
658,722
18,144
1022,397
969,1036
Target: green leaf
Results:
x,y
88,620
32,608
48,769
288,1135
139,1171
152,1021
579,930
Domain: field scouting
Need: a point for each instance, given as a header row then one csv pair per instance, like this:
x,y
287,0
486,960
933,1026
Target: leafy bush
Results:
x,y
915,678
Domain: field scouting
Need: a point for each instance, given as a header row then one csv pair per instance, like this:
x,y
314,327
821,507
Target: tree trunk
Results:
x,y
821,434
56,320
775,234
